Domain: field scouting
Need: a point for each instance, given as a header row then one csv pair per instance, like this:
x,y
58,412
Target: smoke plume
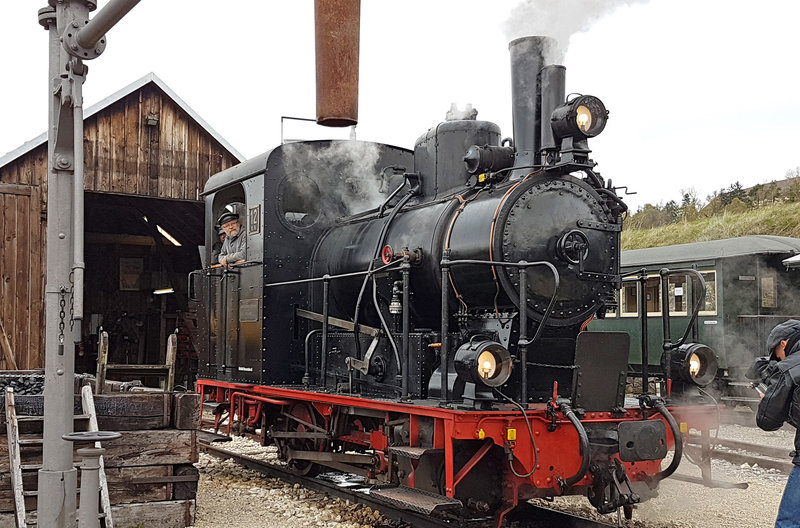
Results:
x,y
559,19
348,171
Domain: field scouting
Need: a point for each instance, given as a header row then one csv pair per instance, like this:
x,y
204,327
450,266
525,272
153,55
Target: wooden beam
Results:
x,y
120,239
20,190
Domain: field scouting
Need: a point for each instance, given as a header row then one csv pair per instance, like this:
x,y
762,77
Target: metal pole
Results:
x,y
444,393
324,359
523,338
58,477
405,269
665,322
78,73
104,20
90,486
57,480
643,315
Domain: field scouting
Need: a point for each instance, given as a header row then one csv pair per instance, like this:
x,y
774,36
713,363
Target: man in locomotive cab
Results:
x,y
234,248
781,403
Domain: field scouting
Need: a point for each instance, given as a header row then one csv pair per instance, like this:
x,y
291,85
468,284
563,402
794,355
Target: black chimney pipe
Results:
x,y
527,60
552,87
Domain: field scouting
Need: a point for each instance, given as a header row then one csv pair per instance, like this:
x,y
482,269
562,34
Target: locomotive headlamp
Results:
x,y
487,364
483,361
694,363
582,117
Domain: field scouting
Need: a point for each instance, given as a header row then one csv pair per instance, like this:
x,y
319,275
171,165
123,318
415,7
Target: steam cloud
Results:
x,y
559,19
357,163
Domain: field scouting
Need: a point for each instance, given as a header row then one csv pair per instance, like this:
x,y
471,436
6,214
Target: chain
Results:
x,y
72,303
549,365
72,311
61,303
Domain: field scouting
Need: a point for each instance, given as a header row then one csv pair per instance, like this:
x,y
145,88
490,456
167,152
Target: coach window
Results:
x,y
628,305
710,306
653,295
611,311
769,292
677,294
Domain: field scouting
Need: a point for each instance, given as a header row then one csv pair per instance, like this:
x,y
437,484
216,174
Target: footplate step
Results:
x,y
414,452
413,499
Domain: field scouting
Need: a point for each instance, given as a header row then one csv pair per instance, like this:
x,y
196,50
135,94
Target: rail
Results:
x,y
526,515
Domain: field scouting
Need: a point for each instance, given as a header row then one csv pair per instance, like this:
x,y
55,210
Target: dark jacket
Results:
x,y
781,402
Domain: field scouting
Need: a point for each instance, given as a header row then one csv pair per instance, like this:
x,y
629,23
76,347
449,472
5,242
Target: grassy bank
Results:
x,y
782,220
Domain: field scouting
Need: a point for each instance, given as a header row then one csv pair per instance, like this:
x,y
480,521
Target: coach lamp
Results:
x,y
692,363
481,364
574,122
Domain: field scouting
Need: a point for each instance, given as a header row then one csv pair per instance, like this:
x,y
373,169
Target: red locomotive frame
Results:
x,y
557,448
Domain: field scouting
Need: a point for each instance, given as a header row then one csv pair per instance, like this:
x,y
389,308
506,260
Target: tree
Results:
x,y
736,190
736,206
649,216
773,192
671,212
756,195
690,204
793,192
715,202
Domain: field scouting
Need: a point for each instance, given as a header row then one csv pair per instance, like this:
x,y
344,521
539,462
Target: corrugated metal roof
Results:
x,y
113,98
711,249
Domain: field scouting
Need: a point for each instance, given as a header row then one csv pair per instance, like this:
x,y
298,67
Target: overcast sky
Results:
x,y
701,92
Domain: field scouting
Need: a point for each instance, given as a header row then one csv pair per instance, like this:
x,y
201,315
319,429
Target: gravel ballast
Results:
x,y
230,495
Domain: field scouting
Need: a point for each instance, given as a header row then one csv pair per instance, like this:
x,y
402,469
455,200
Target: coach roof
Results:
x,y
711,249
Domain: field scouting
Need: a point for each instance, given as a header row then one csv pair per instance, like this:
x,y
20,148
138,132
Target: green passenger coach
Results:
x,y
748,291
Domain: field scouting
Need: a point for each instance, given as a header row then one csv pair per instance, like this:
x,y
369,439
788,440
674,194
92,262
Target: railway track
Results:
x,y
737,452
339,486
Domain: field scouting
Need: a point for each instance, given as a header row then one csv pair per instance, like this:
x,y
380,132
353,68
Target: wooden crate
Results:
x,y
150,472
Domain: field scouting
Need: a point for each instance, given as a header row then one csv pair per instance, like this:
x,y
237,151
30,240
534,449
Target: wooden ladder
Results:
x,y
166,371
16,443
189,320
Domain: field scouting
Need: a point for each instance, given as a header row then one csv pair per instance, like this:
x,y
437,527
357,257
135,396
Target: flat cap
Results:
x,y
781,331
227,216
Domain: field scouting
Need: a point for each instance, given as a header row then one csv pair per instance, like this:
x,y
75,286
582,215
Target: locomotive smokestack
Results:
x,y
552,81
527,60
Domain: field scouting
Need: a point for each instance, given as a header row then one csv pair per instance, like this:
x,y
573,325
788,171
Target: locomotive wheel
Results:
x,y
303,413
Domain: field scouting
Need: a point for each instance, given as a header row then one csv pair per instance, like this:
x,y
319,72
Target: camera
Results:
x,y
760,372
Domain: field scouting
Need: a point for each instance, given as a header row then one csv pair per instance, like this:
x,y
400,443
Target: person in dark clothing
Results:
x,y
217,247
781,403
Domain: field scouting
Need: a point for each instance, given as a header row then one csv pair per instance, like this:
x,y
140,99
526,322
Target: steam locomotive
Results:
x,y
419,317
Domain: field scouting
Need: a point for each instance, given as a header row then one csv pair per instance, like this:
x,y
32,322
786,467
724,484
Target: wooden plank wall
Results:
x,y
172,159
21,276
156,485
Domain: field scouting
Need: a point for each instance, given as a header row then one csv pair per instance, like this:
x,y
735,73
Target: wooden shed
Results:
x,y
147,157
